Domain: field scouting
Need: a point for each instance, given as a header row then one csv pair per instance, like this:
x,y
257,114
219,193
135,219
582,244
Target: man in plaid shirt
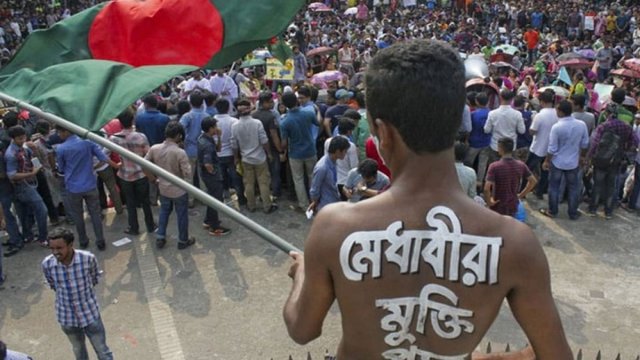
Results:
x,y
72,274
134,182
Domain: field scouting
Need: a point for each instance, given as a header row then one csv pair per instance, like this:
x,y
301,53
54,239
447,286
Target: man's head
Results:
x,y
506,96
519,101
342,96
546,98
505,146
289,100
353,115
578,101
174,131
460,151
210,98
18,134
222,106
266,100
417,90
304,94
243,106
10,119
150,102
43,127
61,244
196,100
126,118
208,125
338,147
368,169
197,75
618,95
345,126
564,108
482,100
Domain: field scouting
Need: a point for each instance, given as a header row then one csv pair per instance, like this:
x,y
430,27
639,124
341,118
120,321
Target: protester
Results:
x,y
192,123
466,175
324,189
350,161
365,181
270,124
230,176
416,134
169,156
541,130
503,122
73,275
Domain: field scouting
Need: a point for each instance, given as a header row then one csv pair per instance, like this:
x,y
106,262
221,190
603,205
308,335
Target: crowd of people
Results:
x,y
535,120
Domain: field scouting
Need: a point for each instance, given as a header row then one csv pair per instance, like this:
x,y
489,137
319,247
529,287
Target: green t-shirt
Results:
x,y
624,115
361,135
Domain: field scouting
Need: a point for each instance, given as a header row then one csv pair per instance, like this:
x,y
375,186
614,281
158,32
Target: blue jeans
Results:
x,y
604,187
181,204
7,199
28,202
76,209
635,193
214,188
570,177
231,178
97,336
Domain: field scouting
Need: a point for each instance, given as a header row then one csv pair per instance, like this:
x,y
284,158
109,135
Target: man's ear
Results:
x,y
385,134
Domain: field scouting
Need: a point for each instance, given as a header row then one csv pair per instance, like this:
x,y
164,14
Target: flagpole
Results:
x,y
202,196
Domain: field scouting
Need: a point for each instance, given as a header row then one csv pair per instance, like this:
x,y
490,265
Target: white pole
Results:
x,y
158,171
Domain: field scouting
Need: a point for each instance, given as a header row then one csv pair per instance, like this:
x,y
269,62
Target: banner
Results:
x,y
589,23
408,3
277,71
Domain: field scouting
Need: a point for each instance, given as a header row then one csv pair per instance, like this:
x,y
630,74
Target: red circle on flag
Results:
x,y
157,32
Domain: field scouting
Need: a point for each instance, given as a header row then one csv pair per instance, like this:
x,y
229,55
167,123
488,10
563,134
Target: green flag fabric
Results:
x,y
90,66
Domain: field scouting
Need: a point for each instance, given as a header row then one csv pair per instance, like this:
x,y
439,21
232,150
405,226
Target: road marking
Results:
x,y
161,316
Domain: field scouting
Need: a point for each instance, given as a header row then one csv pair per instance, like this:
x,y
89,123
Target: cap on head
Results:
x,y
343,94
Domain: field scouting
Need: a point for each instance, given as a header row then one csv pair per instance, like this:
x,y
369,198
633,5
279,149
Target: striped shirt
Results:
x,y
137,143
76,303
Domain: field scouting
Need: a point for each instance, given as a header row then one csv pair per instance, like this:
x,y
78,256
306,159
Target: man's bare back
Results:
x,y
420,271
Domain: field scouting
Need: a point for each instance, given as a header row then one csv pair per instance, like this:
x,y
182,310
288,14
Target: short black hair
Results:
x,y
210,98
264,97
222,106
460,149
482,99
338,143
43,127
126,118
207,123
368,168
506,94
352,114
345,125
62,233
418,87
618,95
183,107
506,144
173,129
360,99
547,96
565,107
578,100
151,100
290,100
519,101
15,131
9,119
304,91
196,99
243,102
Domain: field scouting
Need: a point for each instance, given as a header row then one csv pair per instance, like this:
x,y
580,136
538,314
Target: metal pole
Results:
x,y
158,171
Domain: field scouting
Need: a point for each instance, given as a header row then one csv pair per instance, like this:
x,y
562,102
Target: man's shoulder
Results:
x,y
48,261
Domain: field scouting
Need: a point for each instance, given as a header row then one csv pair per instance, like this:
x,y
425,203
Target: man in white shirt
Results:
x,y
229,175
224,86
502,122
196,82
541,130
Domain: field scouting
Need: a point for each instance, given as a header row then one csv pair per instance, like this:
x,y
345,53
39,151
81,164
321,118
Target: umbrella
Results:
x,y
587,53
576,63
626,73
480,82
323,9
507,49
316,5
351,11
327,76
501,64
320,51
261,54
569,56
558,90
633,64
252,63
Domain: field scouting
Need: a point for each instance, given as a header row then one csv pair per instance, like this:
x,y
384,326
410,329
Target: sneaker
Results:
x,y
132,232
271,209
153,229
43,243
160,243
190,241
206,226
12,250
101,246
219,231
608,216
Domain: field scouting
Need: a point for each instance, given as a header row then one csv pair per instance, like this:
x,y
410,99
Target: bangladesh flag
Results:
x,y
89,67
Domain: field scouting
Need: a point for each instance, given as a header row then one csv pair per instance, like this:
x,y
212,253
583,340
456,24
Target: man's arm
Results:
x,y
316,184
488,126
488,193
312,291
531,300
520,126
531,183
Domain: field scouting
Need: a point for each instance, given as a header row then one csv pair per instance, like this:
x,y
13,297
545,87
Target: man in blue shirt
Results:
x,y
75,160
568,139
192,124
479,141
324,187
22,173
295,131
151,121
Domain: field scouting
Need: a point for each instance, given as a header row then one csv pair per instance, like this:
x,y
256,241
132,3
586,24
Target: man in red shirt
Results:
x,y
532,38
504,178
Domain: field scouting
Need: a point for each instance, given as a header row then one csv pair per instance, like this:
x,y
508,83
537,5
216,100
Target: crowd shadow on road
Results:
x,y
188,294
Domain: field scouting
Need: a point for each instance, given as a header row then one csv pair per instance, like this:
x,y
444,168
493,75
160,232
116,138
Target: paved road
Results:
x,y
222,299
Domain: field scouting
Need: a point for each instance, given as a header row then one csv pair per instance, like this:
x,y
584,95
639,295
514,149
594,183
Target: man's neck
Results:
x,y
413,173
70,259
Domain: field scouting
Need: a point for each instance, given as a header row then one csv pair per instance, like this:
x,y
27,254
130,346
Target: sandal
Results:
x,y
546,213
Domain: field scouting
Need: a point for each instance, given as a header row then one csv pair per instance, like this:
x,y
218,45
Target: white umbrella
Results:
x,y
351,11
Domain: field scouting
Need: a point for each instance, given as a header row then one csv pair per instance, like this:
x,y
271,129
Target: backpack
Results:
x,y
609,152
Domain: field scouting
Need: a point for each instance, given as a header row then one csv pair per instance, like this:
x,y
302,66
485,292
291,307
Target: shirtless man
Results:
x,y
427,279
